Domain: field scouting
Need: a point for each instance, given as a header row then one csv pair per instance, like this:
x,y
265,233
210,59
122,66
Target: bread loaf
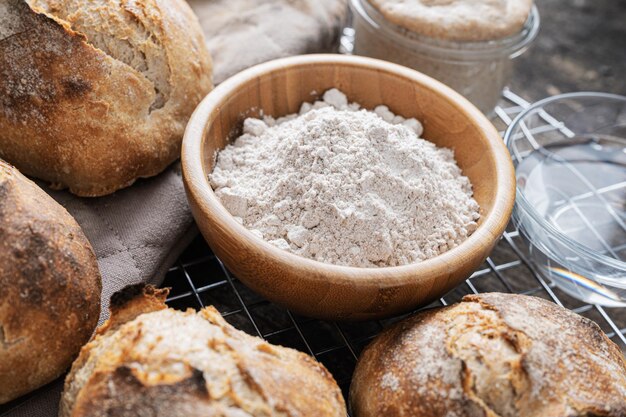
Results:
x,y
49,286
148,360
95,94
492,355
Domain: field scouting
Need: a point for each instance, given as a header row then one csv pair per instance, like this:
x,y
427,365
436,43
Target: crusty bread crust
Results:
x,y
150,360
86,119
49,286
492,355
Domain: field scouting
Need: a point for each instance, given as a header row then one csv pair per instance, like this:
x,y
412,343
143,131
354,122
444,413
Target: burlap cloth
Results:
x,y
139,232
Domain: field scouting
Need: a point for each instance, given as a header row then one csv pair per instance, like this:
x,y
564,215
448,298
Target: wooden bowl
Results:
x,y
329,291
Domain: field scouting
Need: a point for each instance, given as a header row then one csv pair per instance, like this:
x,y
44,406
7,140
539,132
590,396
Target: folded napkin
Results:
x,y
139,232
242,33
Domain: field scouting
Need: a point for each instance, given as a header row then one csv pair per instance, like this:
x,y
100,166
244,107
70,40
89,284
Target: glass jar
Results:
x,y
478,70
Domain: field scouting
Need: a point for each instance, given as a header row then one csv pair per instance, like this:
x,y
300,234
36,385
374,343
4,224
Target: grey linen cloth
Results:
x,y
241,33
139,232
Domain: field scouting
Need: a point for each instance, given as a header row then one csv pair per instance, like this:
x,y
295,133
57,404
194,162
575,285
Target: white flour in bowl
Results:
x,y
346,186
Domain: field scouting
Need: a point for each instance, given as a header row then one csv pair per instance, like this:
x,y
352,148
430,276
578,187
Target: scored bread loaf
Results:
x,y
49,286
492,355
148,360
95,94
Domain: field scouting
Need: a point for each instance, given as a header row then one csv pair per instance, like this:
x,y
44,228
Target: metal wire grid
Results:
x,y
200,279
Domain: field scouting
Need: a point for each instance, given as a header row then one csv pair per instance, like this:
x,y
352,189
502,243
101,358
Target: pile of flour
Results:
x,y
346,186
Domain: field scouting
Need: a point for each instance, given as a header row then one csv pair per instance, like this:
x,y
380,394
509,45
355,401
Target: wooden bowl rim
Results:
x,y
197,183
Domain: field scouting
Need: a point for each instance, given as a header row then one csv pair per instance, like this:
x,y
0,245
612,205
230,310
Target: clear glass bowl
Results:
x,y
477,70
569,153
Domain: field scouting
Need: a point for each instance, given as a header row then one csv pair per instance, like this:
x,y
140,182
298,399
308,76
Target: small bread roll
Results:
x,y
95,94
148,360
492,355
49,286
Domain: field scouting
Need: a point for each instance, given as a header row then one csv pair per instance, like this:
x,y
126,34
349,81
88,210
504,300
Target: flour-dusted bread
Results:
x,y
492,355
49,286
148,360
94,93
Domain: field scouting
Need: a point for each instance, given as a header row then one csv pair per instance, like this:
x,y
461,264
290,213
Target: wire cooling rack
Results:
x,y
200,279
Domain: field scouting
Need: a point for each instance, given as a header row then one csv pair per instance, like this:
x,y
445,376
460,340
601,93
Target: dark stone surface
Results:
x,y
581,47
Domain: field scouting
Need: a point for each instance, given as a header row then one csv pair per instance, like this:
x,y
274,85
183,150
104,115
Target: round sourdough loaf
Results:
x,y
148,360
492,355
95,94
49,286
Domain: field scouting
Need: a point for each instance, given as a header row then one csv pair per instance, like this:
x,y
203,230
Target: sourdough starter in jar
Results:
x,y
466,44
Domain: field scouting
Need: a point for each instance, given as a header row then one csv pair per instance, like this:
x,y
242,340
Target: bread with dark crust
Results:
x,y
49,286
95,94
148,360
492,355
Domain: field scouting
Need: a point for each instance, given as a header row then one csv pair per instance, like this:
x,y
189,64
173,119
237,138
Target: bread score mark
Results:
x,y
141,49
